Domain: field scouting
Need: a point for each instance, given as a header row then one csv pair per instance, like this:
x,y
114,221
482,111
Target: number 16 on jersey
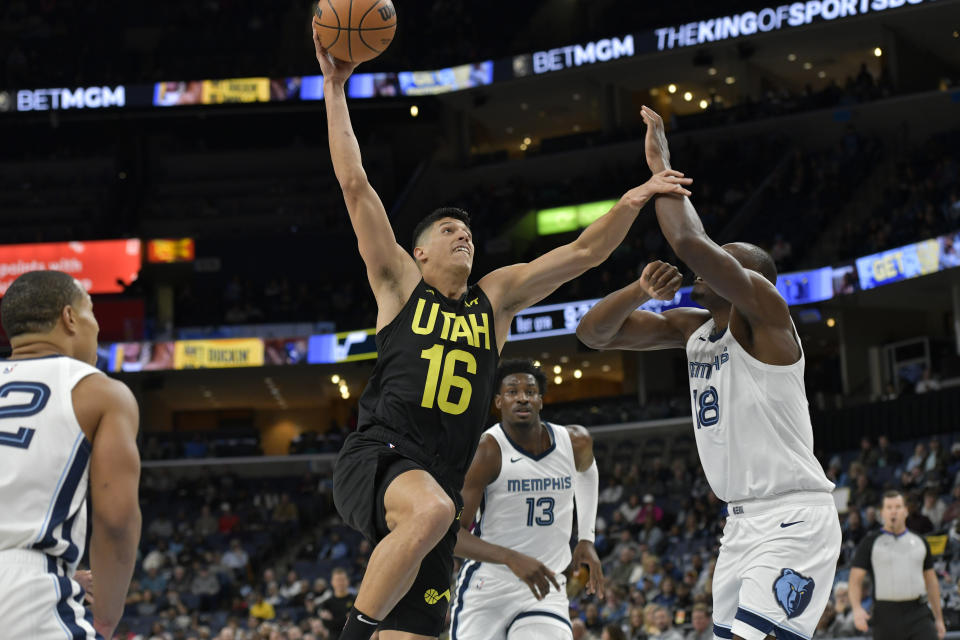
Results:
x,y
706,407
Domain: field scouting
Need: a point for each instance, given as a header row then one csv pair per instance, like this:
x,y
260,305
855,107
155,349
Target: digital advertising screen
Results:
x,y
98,265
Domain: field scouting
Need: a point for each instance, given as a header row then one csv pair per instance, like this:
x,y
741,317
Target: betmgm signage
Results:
x,y
63,99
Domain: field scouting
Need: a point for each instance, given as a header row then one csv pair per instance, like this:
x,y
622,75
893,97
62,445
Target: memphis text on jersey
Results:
x,y
705,369
539,484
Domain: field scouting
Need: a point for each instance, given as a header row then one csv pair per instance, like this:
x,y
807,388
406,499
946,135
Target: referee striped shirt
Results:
x,y
896,564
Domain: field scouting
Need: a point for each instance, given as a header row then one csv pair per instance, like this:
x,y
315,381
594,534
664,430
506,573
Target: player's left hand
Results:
x,y
534,573
333,69
941,629
586,554
655,142
85,579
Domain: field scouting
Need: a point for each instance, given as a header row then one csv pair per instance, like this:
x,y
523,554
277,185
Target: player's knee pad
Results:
x,y
540,631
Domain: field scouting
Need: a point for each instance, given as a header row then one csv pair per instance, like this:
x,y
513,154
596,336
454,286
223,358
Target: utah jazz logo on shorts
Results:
x,y
793,592
432,596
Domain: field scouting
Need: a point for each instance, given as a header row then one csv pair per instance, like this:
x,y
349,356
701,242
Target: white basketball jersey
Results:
x,y
44,459
751,420
529,507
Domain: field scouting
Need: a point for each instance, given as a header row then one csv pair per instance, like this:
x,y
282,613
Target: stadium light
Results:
x,y
792,57
688,96
577,374
557,369
414,111
878,52
730,80
672,88
704,104
712,71
558,380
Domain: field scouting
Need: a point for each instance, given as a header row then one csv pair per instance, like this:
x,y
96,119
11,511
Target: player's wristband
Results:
x,y
586,488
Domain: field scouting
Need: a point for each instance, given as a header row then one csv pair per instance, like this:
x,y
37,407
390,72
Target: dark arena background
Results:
x,y
174,159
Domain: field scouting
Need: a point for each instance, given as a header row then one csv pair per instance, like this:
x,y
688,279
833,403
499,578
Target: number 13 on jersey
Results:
x,y
441,371
706,407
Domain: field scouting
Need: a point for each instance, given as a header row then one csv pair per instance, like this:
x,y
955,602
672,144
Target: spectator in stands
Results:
x,y
952,512
179,580
614,607
591,619
853,529
649,510
863,495
334,609
160,527
631,508
868,456
157,558
667,595
579,630
236,559
612,493
664,625
651,535
933,507
842,625
206,525
634,626
927,382
334,548
937,458
612,632
273,595
916,521
953,463
154,581
888,455
702,624
918,459
228,520
293,589
206,586
260,608
147,605
623,567
286,511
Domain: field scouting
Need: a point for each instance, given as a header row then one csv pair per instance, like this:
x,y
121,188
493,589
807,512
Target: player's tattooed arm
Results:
x,y
391,271
483,470
586,491
615,322
748,291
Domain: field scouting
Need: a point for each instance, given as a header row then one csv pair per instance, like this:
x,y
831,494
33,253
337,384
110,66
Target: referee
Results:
x,y
901,566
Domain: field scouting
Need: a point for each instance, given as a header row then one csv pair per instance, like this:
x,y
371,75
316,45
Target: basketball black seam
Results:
x,y
363,17
337,16
363,40
349,24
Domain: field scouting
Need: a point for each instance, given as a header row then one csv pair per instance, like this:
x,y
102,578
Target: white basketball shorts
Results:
x,y
492,604
774,575
38,601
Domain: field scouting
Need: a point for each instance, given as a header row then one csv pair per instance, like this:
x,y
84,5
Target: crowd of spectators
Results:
x,y
231,558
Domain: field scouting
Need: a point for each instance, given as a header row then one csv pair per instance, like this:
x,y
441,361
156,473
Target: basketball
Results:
x,y
355,30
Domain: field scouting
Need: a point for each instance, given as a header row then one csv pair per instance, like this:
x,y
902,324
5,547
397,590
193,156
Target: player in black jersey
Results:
x,y
398,478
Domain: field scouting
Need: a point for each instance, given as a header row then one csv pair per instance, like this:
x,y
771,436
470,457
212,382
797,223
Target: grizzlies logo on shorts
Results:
x,y
793,592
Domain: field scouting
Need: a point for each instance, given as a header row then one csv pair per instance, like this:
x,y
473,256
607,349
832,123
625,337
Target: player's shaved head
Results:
x,y
34,301
754,258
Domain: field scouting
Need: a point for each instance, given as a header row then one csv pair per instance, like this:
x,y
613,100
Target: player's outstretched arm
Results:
x,y
390,269
615,322
748,291
483,470
518,286
114,483
586,490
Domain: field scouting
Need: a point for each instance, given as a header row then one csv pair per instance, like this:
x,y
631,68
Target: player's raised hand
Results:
x,y
665,182
660,280
655,142
534,573
333,69
860,617
586,554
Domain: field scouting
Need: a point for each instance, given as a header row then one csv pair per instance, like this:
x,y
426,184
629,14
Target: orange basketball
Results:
x,y
355,30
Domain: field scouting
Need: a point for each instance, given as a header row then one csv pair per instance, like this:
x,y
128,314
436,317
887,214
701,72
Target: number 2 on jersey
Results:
x,y
448,381
21,438
708,409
